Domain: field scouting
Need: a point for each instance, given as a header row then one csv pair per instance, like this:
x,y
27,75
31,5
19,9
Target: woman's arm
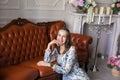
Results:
x,y
50,57
69,63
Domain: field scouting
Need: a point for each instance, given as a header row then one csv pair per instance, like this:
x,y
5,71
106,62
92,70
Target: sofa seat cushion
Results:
x,y
18,72
44,71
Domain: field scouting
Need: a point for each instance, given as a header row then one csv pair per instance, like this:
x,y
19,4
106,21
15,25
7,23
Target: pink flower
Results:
x,y
118,5
119,56
117,63
114,61
78,3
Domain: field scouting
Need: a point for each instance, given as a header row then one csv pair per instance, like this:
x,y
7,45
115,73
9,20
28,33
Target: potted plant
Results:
x,y
114,63
78,5
81,6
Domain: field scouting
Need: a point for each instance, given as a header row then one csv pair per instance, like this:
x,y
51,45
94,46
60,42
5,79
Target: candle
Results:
x,y
90,1
101,10
108,10
96,10
93,17
110,18
99,18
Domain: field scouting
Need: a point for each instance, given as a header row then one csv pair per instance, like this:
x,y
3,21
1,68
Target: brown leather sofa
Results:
x,y
22,45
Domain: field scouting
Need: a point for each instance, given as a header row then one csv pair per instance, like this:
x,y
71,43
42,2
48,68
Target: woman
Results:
x,y
65,55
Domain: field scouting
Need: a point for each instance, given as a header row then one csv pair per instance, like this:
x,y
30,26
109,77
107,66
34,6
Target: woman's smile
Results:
x,y
60,42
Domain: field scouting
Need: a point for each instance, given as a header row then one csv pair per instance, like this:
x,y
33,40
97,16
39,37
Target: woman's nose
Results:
x,y
61,38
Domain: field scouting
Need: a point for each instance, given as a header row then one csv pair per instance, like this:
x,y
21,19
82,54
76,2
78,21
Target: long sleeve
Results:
x,y
70,58
50,57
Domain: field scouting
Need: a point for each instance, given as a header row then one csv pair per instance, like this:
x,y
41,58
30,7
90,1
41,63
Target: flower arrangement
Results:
x,y
82,5
114,62
78,5
115,7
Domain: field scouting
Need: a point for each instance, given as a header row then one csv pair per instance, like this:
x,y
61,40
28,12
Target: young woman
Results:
x,y
66,57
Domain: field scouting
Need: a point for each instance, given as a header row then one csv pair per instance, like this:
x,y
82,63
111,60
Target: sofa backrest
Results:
x,y
21,40
54,27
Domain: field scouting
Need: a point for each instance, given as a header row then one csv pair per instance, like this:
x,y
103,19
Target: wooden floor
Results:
x,y
104,72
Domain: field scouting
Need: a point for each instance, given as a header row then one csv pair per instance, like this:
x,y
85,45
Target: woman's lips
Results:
x,y
59,42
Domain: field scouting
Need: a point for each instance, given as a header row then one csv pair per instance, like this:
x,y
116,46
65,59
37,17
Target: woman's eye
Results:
x,y
64,36
59,35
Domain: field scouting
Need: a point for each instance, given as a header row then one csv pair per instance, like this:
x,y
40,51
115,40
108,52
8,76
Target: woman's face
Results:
x,y
61,37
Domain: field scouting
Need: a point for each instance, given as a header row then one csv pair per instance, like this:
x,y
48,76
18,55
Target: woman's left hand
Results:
x,y
43,63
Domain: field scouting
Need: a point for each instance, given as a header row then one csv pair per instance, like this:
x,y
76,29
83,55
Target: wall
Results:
x,y
36,10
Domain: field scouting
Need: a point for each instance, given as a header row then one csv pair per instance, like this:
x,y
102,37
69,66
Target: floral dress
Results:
x,y
67,64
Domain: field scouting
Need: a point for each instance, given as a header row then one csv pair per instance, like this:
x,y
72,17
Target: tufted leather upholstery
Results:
x,y
54,29
18,44
81,44
22,45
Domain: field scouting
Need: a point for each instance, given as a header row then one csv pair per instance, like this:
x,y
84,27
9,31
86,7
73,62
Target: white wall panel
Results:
x,y
45,4
34,10
9,4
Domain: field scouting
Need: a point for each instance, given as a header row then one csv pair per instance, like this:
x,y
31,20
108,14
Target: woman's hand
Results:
x,y
43,63
53,42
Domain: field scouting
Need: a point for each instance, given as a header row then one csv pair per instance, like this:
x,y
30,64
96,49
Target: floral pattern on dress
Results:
x,y
67,64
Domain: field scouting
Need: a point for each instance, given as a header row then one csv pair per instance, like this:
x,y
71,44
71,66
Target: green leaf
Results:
x,y
110,66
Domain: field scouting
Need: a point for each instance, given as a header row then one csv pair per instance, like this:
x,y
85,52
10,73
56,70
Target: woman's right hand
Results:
x,y
43,63
52,42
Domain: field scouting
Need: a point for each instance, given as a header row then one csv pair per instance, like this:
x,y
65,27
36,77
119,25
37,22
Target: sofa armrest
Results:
x,y
81,43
